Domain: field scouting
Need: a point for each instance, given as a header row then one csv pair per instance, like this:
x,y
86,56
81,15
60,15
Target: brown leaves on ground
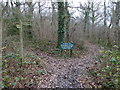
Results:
x,y
69,72
61,72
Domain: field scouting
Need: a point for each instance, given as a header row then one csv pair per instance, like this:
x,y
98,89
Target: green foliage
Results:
x,y
49,47
108,70
13,73
11,26
41,72
61,18
17,79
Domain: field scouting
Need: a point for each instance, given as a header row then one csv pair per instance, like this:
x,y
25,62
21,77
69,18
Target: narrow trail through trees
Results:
x,y
69,73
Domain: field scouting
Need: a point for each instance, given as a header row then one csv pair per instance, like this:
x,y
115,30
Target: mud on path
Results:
x,y
69,73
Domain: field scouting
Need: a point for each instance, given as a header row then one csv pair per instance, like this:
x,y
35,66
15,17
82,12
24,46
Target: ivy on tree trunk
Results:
x,y
60,23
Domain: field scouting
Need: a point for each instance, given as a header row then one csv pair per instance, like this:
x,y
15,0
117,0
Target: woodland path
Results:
x,y
69,73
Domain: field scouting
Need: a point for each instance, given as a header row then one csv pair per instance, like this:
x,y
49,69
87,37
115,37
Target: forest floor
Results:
x,y
69,72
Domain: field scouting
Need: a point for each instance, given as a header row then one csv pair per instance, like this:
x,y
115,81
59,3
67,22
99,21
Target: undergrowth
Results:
x,y
50,47
17,76
106,70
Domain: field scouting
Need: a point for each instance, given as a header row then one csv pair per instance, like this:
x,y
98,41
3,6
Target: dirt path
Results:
x,y
69,73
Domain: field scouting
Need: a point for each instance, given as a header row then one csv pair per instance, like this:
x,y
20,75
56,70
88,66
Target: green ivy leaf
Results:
x,y
43,72
102,56
118,57
5,61
7,78
17,79
113,60
13,83
18,26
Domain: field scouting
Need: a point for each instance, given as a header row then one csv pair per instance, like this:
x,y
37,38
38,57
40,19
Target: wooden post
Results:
x,y
70,52
21,42
61,52
0,45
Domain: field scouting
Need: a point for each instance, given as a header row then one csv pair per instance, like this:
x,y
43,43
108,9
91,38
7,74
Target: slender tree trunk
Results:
x,y
0,44
30,14
21,42
88,19
117,16
93,22
105,24
119,38
53,24
118,23
67,21
106,29
6,8
105,15
86,23
41,23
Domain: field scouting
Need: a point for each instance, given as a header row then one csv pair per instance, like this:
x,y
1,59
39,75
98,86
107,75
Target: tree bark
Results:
x,y
105,14
67,22
60,23
0,43
93,20
117,18
53,22
106,30
30,15
21,42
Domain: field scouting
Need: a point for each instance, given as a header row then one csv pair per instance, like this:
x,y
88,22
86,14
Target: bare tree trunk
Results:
x,y
6,9
85,27
119,38
105,15
86,22
105,32
53,24
21,42
112,26
118,22
30,14
0,44
88,19
67,22
93,22
117,18
42,29
40,17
